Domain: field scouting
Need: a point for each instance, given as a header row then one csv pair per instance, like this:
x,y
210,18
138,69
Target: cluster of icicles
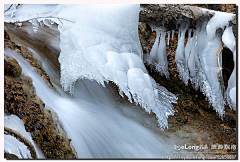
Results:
x,y
200,61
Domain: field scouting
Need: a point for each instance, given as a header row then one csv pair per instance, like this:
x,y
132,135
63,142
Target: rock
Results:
x,y
11,67
9,156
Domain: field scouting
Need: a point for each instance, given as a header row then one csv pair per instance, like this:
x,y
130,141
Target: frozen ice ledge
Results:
x,y
100,42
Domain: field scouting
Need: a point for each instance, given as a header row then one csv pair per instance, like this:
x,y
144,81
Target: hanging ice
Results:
x,y
205,71
202,58
153,54
34,24
158,56
229,40
191,60
162,66
172,35
180,53
168,38
188,46
210,63
219,20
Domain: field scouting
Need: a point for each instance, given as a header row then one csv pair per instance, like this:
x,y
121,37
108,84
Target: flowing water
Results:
x,y
98,126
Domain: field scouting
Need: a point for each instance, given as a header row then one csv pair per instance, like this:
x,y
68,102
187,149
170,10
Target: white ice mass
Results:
x,y
100,42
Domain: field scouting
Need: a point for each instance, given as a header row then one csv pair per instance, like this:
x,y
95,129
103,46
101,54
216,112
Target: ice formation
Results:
x,y
200,61
100,42
158,56
180,52
173,34
191,60
107,48
229,40
168,38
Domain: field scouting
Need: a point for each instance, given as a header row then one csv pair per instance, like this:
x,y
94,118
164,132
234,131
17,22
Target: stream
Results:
x,y
98,127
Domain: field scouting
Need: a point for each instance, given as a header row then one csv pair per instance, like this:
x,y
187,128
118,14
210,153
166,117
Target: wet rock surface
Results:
x,y
20,100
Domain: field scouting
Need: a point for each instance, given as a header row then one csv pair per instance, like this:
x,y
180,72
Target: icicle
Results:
x,y
34,24
173,34
18,24
47,22
41,23
188,45
180,56
231,90
168,37
191,60
229,39
153,53
162,65
201,42
219,20
209,72
230,94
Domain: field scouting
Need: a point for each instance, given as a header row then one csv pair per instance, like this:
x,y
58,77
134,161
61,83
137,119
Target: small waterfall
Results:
x,y
95,123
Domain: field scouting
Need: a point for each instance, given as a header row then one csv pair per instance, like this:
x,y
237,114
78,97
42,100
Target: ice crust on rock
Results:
x,y
100,42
